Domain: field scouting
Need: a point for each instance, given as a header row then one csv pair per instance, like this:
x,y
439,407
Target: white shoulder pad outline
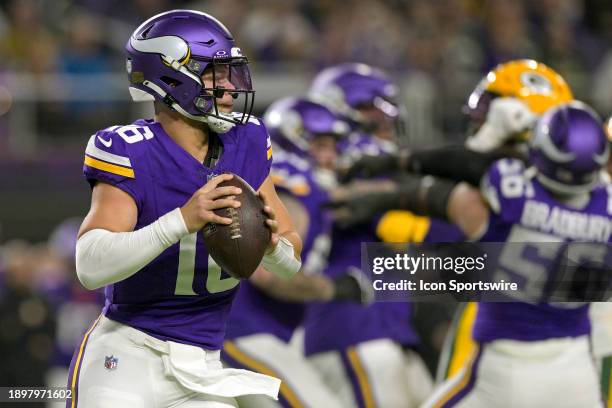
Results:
x,y
489,193
97,153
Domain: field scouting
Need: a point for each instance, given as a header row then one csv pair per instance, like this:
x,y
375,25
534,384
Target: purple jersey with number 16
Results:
x,y
338,325
182,295
524,213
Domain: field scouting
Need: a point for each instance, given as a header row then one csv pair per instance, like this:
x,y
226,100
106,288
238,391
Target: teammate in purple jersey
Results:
x,y
501,111
531,354
155,186
267,311
364,353
544,342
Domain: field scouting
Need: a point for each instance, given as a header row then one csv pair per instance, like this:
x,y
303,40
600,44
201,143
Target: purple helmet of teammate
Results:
x,y
569,149
293,123
167,56
363,94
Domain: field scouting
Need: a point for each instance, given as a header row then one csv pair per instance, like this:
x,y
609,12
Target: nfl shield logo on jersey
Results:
x,y
110,363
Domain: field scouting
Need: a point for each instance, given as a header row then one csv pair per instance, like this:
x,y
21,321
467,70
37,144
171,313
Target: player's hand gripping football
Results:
x,y
199,210
271,222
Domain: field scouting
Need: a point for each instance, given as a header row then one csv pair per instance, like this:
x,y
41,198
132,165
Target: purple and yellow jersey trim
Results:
x,y
297,186
108,162
269,148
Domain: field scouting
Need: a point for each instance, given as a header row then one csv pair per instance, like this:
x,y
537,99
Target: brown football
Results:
x,y
239,247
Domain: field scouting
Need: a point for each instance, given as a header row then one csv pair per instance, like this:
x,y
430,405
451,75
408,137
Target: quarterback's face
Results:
x,y
220,79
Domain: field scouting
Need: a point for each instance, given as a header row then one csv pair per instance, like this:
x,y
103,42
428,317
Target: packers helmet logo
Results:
x,y
537,83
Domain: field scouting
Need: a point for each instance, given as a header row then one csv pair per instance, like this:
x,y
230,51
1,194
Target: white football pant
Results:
x,y
556,373
601,343
376,373
117,366
265,353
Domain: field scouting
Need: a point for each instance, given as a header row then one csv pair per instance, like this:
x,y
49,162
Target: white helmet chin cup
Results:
x,y
325,178
219,125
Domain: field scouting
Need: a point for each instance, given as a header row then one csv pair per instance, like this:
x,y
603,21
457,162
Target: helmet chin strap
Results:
x,y
326,179
219,125
216,124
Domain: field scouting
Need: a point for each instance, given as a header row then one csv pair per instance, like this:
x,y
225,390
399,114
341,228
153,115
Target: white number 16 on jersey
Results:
x,y
186,270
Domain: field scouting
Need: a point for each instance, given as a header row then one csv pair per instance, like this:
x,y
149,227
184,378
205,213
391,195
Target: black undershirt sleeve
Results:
x,y
454,162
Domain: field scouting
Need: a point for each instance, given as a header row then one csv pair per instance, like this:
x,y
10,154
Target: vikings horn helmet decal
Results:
x,y
167,56
569,148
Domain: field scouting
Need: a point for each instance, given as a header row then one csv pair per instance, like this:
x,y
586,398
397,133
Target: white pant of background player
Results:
x,y
556,373
265,353
601,343
118,366
377,373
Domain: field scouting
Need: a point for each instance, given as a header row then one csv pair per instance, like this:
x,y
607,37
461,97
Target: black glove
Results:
x,y
361,208
368,166
353,286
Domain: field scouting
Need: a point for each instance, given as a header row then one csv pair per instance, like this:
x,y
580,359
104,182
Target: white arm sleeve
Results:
x,y
104,257
282,262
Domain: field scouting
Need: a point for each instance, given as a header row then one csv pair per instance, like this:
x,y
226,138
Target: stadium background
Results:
x,y
62,77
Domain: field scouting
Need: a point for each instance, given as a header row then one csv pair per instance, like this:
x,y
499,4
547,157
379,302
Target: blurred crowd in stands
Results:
x,y
440,37
448,42
43,308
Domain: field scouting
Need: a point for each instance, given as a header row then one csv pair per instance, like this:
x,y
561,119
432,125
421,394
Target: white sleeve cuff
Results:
x,y
282,262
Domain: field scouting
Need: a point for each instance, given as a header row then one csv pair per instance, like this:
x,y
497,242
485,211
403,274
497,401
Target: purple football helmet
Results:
x,y
569,149
294,122
167,56
348,88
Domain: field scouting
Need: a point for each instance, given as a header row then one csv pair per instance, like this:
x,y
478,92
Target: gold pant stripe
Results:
x,y
362,377
234,352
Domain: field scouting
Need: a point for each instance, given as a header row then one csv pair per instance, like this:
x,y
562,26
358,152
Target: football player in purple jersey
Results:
x,y
531,353
501,111
365,354
367,98
267,310
155,185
